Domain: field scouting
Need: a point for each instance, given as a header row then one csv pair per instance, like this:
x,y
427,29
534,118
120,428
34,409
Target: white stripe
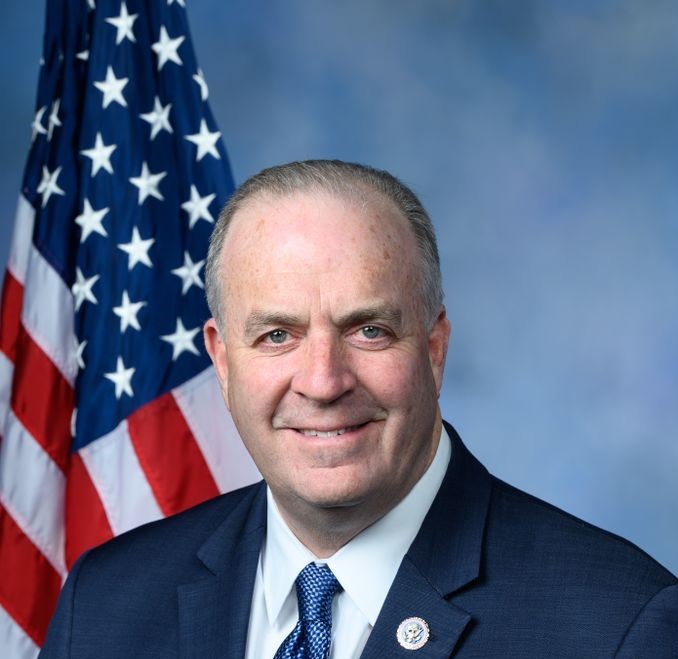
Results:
x,y
47,314
6,372
13,641
32,489
114,468
202,405
22,240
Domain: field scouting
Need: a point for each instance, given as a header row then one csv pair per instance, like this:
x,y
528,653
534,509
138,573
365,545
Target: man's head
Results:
x,y
344,180
328,354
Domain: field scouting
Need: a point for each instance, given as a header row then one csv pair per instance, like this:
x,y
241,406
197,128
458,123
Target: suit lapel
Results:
x,y
412,595
214,611
444,557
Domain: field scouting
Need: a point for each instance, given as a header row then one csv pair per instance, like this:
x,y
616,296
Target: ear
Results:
x,y
218,353
438,339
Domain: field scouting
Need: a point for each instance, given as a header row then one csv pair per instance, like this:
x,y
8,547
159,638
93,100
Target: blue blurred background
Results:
x,y
543,138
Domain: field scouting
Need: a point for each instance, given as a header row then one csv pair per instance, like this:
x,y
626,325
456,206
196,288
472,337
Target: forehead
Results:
x,y
315,239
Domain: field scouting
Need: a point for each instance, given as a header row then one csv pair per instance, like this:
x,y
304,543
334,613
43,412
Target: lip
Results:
x,y
325,431
330,432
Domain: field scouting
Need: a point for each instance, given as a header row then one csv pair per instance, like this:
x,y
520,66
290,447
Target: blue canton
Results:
x,y
127,173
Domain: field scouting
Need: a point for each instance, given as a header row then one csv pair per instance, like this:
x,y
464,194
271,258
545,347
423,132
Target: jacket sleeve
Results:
x,y
654,632
58,641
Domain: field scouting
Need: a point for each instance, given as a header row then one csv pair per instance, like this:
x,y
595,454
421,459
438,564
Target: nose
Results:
x,y
324,374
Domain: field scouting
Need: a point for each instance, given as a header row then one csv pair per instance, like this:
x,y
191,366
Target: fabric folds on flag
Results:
x,y
110,415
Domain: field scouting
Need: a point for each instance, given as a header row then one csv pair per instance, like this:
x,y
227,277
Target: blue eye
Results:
x,y
278,336
371,332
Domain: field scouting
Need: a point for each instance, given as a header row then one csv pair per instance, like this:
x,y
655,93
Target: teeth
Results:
x,y
329,433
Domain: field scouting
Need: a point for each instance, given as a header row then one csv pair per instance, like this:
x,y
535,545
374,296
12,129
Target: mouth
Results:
x,y
313,432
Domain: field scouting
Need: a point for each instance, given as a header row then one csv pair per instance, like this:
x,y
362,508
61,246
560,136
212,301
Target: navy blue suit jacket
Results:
x,y
495,572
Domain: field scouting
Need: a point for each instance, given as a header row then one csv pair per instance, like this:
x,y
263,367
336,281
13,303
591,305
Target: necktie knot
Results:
x,y
316,588
312,635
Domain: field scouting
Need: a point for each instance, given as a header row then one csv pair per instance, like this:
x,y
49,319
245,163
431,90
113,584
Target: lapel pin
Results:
x,y
413,633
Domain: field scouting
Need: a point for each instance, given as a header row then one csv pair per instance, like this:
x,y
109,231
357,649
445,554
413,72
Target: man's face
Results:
x,y
325,363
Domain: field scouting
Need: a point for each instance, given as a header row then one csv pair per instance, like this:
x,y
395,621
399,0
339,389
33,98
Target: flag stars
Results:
x,y
123,24
100,155
127,312
112,89
158,118
189,273
48,185
166,48
137,250
82,289
200,79
198,207
90,221
181,3
79,350
36,124
182,340
53,121
148,183
121,378
205,141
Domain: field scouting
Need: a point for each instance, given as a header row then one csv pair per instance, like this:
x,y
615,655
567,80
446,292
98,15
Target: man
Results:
x,y
376,533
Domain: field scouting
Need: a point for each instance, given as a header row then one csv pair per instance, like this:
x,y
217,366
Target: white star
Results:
x,y
182,340
90,4
123,24
122,378
79,349
82,289
53,120
148,183
36,124
179,2
166,48
48,186
198,207
189,273
90,221
200,79
112,88
83,55
137,249
158,118
127,311
205,141
100,154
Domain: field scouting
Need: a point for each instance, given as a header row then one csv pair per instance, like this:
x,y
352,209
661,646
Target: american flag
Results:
x,y
110,415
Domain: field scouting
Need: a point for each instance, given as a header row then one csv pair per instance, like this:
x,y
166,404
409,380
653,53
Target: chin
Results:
x,y
341,494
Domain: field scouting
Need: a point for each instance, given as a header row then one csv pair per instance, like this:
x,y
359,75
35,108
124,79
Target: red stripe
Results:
x,y
86,521
174,466
10,314
42,399
29,585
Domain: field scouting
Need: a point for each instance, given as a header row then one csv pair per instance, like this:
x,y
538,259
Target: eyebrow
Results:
x,y
259,321
377,313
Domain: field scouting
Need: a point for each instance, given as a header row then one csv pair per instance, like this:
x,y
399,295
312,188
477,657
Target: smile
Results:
x,y
327,433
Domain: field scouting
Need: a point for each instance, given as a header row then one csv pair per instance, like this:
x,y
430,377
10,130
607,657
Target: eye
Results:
x,y
371,332
277,336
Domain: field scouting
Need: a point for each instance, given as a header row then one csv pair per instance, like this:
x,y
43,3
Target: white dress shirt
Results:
x,y
365,567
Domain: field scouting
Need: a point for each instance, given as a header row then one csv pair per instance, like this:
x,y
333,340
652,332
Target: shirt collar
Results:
x,y
381,546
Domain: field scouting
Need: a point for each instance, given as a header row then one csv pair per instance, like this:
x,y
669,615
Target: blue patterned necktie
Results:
x,y
310,639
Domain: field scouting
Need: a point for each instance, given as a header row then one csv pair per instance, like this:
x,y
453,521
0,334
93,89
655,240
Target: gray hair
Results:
x,y
343,180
